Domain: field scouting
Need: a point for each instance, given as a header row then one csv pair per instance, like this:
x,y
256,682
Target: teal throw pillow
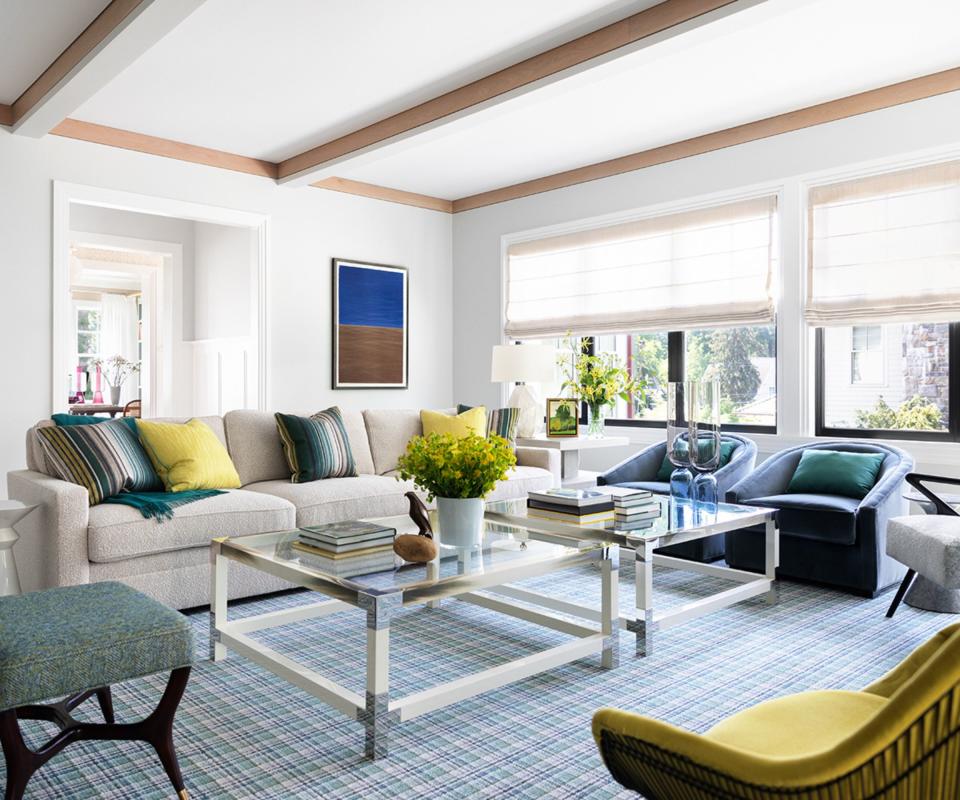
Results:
x,y
67,420
836,472
727,447
316,447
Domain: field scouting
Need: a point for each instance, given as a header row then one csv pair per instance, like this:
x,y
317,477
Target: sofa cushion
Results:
x,y
836,472
316,447
257,452
188,456
822,517
389,430
337,499
115,532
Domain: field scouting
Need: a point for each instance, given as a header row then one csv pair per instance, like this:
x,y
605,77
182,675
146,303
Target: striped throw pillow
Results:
x,y
500,421
105,459
316,447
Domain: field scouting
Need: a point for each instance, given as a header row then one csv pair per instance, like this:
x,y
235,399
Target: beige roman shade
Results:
x,y
703,268
886,248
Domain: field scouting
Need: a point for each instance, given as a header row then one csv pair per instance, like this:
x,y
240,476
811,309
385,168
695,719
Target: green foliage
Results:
x,y
597,380
444,465
730,352
915,414
650,368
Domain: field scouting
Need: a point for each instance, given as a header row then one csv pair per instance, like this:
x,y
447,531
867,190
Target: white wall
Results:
x,y
223,281
308,228
780,162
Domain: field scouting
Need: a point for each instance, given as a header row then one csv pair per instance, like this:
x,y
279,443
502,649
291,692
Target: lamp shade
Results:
x,y
523,363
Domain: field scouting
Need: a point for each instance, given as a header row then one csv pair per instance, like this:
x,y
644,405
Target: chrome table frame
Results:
x,y
644,621
376,709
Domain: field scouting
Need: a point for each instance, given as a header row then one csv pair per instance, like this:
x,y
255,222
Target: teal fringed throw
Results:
x,y
160,505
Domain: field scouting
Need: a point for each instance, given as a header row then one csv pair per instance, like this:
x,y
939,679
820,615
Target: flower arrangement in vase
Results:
x,y
116,370
598,380
459,472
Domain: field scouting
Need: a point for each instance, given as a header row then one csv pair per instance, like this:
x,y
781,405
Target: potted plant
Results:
x,y
598,380
116,370
459,472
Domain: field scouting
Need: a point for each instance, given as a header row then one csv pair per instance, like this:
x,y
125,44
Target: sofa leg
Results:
x,y
901,591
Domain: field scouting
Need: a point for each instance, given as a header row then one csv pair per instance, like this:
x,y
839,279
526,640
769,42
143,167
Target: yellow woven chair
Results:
x,y
899,738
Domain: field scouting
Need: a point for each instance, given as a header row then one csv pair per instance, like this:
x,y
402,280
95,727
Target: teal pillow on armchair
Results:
x,y
836,472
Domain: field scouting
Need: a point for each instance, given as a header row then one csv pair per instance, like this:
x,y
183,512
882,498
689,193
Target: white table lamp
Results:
x,y
524,364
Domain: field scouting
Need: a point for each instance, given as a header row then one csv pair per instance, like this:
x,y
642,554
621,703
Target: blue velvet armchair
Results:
x,y
828,539
640,472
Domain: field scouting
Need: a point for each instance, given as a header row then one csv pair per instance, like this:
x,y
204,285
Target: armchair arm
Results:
x,y
55,535
771,477
906,669
541,457
642,466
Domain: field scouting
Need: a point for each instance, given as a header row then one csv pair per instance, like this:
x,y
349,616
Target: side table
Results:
x,y
571,476
11,512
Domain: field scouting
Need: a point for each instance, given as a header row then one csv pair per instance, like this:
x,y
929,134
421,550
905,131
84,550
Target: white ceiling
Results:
x,y
271,79
763,61
33,33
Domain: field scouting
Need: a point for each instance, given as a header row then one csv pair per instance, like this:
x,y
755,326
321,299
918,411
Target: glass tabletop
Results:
x,y
503,549
673,520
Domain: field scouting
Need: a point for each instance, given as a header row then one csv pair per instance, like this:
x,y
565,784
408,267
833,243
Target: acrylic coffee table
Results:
x,y
465,574
678,522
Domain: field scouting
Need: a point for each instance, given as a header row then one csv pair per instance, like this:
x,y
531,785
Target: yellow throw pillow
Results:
x,y
472,421
188,456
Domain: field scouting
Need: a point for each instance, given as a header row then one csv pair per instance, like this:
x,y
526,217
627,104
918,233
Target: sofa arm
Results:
x,y
541,457
54,537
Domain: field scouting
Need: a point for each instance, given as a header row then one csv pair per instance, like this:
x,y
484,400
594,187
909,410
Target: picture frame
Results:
x,y
371,325
563,417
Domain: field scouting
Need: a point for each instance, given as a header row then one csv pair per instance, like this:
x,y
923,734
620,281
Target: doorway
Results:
x,y
165,298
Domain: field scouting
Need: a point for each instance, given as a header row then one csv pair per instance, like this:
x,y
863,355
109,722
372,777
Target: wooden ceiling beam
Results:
x,y
862,103
122,32
526,75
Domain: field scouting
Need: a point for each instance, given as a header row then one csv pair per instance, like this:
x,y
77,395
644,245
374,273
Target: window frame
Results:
x,y
676,367
952,434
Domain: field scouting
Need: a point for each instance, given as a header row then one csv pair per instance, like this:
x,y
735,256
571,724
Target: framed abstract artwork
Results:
x,y
370,325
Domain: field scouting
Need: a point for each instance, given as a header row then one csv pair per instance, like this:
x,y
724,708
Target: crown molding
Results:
x,y
500,85
383,193
853,105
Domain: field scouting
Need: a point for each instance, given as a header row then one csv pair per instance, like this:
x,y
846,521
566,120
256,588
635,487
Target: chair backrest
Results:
x,y
133,409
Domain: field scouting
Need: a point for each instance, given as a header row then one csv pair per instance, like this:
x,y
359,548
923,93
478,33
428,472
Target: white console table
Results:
x,y
572,477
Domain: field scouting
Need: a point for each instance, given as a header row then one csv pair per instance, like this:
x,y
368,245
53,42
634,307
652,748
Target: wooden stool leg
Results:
x,y
105,699
21,762
159,728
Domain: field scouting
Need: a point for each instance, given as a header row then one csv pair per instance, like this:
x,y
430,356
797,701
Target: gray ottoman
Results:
x,y
930,547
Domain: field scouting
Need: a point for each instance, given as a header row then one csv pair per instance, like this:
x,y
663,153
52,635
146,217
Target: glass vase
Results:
x,y
680,432
595,421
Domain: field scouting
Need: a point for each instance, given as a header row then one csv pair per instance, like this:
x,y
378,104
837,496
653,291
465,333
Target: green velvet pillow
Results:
x,y
836,472
726,453
68,420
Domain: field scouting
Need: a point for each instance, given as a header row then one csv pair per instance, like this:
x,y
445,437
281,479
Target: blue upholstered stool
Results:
x,y
76,641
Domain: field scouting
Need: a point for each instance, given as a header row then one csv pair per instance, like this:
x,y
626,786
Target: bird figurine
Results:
x,y
418,548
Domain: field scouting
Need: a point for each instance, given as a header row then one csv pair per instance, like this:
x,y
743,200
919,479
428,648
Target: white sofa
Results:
x,y
66,541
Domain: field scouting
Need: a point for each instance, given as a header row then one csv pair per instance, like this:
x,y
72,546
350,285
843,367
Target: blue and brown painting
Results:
x,y
371,305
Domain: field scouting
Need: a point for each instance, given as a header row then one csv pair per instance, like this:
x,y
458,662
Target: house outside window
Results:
x,y
866,354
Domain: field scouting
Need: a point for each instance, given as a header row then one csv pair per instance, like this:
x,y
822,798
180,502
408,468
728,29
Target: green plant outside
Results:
x,y
915,414
443,465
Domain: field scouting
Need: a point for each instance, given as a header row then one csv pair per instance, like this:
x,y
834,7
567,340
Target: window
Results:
x,y
899,381
743,359
866,354
884,286
87,339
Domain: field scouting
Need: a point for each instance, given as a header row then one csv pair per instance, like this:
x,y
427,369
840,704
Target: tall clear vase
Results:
x,y
595,421
680,431
705,456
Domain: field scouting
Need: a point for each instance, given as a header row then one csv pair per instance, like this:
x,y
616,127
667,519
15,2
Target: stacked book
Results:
x,y
348,548
633,508
571,506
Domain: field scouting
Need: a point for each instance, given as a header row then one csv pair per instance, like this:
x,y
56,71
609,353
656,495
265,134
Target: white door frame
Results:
x,y
65,193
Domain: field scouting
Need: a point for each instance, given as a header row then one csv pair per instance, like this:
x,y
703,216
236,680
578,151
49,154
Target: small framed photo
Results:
x,y
562,417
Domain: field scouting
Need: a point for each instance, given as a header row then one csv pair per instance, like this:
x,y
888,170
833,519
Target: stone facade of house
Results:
x,y
926,353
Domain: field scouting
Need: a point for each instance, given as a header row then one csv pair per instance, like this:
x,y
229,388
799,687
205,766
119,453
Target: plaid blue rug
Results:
x,y
243,733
